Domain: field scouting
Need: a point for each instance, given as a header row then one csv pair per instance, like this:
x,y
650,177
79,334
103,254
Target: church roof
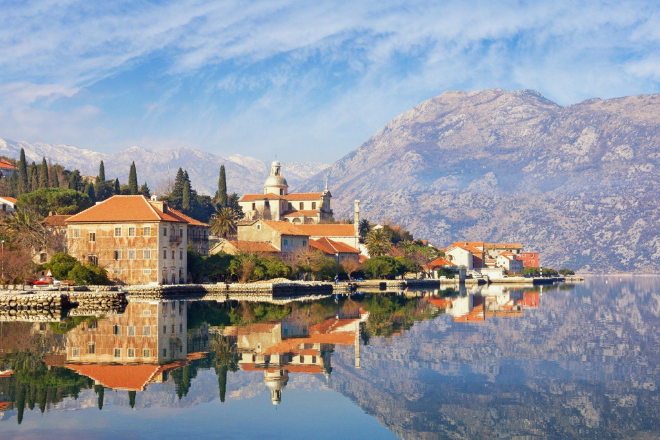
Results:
x,y
285,228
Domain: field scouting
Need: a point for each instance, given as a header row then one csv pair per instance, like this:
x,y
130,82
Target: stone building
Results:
x,y
336,249
509,262
55,225
249,247
276,203
283,236
342,233
139,241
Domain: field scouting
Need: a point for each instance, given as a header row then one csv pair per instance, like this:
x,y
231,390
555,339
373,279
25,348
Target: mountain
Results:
x,y
244,174
577,183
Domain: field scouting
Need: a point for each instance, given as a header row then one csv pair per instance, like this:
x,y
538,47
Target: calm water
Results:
x,y
562,362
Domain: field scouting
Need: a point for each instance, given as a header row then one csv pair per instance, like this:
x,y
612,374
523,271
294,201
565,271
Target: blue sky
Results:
x,y
308,81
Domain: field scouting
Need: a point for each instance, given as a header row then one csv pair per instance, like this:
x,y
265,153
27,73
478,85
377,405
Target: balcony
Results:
x,y
176,239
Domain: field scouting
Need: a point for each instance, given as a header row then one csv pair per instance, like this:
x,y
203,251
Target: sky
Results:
x,y
300,80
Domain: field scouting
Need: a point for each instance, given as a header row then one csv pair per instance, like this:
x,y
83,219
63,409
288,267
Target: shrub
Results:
x,y
59,200
566,272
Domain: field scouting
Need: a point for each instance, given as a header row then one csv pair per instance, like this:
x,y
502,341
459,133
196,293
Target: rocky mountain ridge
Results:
x,y
245,174
577,183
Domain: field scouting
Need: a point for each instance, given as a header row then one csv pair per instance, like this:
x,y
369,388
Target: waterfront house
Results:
x,y
139,241
283,236
235,247
509,262
529,259
336,249
342,233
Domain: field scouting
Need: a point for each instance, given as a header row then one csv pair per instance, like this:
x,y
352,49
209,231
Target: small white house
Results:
x,y
8,205
509,262
460,257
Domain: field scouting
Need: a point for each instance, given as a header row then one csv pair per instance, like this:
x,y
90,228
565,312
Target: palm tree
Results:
x,y
378,243
24,230
223,222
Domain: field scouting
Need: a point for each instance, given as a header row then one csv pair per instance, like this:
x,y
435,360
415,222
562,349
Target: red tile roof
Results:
x,y
119,209
6,373
254,246
55,220
363,258
122,377
328,230
6,165
285,228
191,221
9,199
503,246
440,262
4,405
253,197
303,196
332,247
305,212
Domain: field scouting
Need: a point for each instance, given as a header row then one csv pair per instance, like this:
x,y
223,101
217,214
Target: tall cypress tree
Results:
x,y
56,178
132,180
34,177
117,186
221,194
100,392
222,382
24,183
75,180
89,190
100,187
185,199
43,174
176,194
131,398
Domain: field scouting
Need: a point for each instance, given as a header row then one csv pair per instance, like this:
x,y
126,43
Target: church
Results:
x,y
278,205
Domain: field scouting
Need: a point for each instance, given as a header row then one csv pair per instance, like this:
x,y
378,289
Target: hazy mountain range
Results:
x,y
244,174
577,183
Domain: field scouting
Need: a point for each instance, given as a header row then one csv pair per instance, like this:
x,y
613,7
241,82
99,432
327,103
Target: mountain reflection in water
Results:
x,y
553,362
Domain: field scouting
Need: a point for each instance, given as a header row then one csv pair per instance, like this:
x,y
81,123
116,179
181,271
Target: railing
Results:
x,y
176,239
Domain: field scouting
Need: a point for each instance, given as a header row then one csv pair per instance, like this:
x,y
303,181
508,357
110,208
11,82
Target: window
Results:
x,y
302,359
180,232
164,308
286,243
165,254
131,232
164,352
313,359
116,330
180,254
258,227
146,271
146,254
313,205
302,206
93,259
146,231
181,308
91,348
164,232
173,254
76,233
131,254
304,242
131,352
146,330
117,254
146,352
180,328
75,352
281,191
146,312
93,326
131,330
92,236
254,206
172,328
117,232
117,352
164,329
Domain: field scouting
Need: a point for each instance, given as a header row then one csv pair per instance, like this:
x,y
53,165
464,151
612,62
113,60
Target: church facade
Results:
x,y
277,204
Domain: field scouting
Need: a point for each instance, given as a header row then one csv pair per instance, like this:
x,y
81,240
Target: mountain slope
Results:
x,y
244,174
578,183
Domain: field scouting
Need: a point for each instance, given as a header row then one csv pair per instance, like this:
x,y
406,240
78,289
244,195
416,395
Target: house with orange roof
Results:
x,y
7,205
139,241
494,249
342,233
7,169
276,203
509,262
336,249
234,247
286,237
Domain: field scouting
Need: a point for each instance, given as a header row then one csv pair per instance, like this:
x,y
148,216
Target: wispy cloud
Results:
x,y
258,76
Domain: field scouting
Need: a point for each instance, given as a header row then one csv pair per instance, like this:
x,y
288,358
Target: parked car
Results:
x,y
44,281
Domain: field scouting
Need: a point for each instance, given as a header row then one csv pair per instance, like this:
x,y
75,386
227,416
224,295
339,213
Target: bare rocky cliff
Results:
x,y
577,183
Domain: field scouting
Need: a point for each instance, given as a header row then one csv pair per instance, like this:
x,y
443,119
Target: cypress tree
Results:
x,y
132,180
89,190
34,177
102,171
43,174
23,174
131,398
185,199
14,186
56,178
144,190
222,382
117,186
100,188
177,192
75,180
100,392
221,195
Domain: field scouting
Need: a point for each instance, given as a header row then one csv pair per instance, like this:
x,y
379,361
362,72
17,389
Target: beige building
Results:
x,y
336,249
283,236
248,247
277,204
138,241
509,262
342,233
55,226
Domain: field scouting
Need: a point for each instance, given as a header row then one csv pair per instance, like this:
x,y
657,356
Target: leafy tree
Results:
x,y
61,265
59,200
75,181
23,173
144,190
132,180
185,198
566,272
43,174
223,223
378,242
88,273
221,195
382,267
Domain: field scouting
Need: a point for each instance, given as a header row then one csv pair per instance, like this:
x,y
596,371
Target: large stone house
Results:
x,y
56,228
283,236
276,203
139,241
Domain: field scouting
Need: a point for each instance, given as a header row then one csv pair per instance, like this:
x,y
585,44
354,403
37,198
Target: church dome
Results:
x,y
276,181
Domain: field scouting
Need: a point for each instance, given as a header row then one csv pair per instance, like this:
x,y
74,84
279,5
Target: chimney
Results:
x,y
356,220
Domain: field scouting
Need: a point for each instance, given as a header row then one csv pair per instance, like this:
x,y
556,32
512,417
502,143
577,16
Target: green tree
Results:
x,y
566,272
223,223
364,228
100,393
221,195
117,186
23,174
144,190
89,190
101,188
132,180
380,267
43,174
59,200
56,179
378,242
88,273
185,199
34,177
131,398
60,265
176,195
75,181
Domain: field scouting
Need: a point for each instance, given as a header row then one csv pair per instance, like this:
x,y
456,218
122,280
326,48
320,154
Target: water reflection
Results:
x,y
488,361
